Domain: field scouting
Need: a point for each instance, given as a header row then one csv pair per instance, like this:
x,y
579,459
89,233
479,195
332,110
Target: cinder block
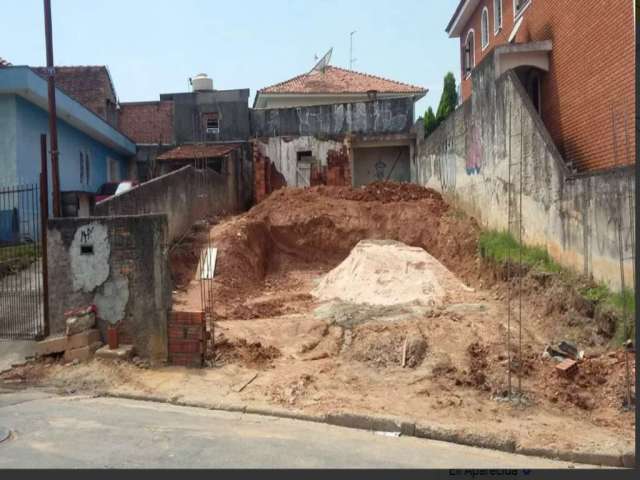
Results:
x,y
51,345
83,339
81,354
123,352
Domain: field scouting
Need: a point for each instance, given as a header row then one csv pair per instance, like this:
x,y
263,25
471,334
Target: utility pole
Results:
x,y
351,59
53,121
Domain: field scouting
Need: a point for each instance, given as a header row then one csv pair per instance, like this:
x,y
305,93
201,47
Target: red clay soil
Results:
x,y
317,227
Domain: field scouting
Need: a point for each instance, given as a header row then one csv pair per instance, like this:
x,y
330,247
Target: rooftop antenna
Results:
x,y
324,62
352,60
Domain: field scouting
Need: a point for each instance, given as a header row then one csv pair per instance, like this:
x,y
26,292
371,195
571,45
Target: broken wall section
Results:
x,y
575,217
307,146
119,264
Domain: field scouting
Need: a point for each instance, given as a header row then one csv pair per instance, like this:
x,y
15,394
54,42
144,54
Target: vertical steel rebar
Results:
x,y
520,257
621,258
509,263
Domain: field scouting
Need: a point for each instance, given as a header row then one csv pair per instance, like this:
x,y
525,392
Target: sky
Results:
x,y
154,46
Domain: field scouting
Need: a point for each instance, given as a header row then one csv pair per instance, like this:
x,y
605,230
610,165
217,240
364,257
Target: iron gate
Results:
x,y
21,272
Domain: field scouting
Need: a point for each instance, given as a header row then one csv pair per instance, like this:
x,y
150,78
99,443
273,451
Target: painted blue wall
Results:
x,y
7,140
32,121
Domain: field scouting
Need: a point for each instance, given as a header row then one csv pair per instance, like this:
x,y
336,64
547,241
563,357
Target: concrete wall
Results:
x,y
119,264
184,196
233,114
389,116
283,152
374,164
467,159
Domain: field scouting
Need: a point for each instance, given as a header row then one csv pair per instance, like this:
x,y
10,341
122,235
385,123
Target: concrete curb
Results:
x,y
405,427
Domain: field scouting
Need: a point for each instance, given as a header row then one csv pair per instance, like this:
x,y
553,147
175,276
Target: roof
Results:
x,y
461,16
199,150
24,82
339,80
147,122
90,85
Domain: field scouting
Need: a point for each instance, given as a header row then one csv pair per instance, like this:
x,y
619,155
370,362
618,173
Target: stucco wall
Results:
x,y
119,264
184,196
32,121
574,217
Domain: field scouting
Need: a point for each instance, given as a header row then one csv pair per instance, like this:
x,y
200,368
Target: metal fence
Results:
x,y
21,266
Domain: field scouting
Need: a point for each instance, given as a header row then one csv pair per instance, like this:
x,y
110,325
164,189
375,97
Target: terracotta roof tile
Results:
x,y
199,150
89,85
147,122
339,80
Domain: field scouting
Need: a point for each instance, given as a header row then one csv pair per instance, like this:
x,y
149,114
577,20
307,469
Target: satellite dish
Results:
x,y
323,63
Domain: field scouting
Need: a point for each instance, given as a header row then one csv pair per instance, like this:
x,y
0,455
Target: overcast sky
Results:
x,y
154,46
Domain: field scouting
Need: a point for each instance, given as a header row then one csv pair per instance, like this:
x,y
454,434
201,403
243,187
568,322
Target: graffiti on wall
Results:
x,y
474,150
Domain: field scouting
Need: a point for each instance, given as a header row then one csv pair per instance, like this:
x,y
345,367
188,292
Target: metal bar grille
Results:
x,y
21,297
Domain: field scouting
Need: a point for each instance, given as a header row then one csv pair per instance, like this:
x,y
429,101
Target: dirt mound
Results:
x,y
385,192
253,355
319,226
385,272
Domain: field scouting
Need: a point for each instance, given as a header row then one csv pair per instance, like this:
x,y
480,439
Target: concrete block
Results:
x,y
81,354
51,345
123,352
80,323
83,339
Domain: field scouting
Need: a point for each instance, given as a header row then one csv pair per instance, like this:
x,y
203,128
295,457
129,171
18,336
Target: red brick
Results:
x,y
592,69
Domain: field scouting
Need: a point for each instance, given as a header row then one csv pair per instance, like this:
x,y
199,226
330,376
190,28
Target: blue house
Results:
x,y
92,150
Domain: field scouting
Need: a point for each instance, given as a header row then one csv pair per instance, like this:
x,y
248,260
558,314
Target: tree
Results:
x,y
430,122
449,98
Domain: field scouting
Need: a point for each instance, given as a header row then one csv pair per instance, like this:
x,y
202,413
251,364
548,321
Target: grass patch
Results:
x,y
17,252
499,247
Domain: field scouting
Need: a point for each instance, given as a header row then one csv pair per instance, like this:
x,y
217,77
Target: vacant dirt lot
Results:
x,y
446,364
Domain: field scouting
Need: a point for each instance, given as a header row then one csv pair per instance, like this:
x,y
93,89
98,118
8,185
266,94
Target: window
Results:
x,y
211,122
113,170
81,168
469,53
87,167
85,172
484,28
519,6
497,16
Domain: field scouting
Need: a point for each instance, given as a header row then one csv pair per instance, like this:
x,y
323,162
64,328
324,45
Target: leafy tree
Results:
x,y
430,122
449,98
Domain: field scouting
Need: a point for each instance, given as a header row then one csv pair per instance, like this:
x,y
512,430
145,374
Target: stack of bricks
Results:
x,y
79,347
338,168
187,339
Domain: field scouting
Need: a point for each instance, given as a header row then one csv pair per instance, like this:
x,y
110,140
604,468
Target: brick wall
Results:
x,y
338,168
147,122
187,339
592,69
266,176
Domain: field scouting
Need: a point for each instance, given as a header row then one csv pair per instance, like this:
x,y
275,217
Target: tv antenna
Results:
x,y
352,60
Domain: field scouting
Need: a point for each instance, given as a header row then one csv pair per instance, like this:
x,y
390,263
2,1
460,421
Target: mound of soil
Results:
x,y
317,228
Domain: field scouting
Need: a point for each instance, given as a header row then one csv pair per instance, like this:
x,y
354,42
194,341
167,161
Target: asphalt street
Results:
x,y
49,431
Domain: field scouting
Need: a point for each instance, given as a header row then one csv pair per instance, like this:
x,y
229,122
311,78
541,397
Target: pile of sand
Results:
x,y
385,273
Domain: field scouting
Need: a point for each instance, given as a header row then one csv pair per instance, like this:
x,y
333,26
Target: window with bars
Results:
x,y
469,53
